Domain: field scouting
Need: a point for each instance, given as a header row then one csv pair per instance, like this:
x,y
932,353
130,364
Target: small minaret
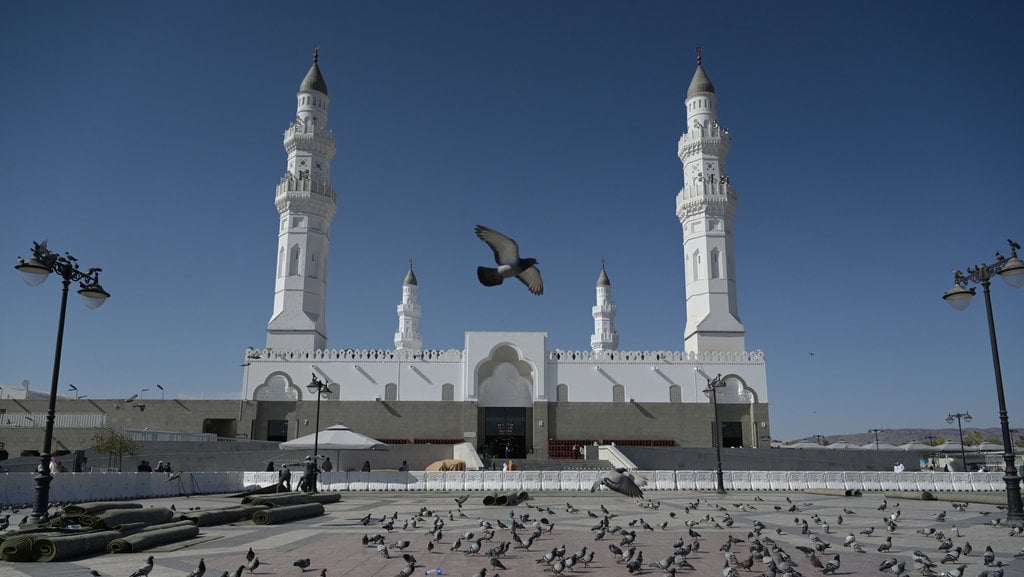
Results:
x,y
408,335
306,203
705,207
604,338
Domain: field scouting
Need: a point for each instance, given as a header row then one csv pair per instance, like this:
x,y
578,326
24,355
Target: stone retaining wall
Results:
x,y
19,489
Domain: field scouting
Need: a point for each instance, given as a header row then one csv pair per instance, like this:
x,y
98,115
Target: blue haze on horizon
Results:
x,y
874,149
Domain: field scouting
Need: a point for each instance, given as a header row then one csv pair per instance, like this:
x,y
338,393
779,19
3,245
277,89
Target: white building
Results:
x,y
511,391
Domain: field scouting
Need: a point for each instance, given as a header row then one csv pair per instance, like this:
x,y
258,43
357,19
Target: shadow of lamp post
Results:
x,y
34,271
959,297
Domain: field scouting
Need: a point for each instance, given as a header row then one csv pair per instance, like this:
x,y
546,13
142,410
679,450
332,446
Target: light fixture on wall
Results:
x,y
540,423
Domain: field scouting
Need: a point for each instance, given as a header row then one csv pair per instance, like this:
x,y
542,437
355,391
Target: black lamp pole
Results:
x,y
876,431
967,417
34,271
959,297
317,387
712,390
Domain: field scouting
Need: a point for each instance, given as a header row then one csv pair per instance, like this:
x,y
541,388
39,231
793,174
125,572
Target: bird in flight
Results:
x,y
506,255
621,481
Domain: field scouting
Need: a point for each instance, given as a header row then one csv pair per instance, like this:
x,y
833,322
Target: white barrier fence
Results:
x,y
19,488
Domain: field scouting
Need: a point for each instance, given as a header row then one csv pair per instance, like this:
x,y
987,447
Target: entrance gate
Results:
x,y
505,432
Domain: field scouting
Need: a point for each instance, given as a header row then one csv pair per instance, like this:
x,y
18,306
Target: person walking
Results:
x,y
328,466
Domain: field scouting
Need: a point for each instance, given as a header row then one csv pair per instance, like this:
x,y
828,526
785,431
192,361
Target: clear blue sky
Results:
x,y
876,146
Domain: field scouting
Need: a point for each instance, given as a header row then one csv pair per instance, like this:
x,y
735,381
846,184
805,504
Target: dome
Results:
x,y
410,278
314,81
700,83
603,279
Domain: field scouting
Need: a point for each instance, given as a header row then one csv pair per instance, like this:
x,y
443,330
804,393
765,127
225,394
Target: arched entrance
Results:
x,y
505,397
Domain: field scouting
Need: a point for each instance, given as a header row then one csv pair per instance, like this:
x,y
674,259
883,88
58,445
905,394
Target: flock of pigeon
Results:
x,y
750,547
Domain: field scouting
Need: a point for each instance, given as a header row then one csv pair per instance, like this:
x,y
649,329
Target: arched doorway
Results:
x,y
505,396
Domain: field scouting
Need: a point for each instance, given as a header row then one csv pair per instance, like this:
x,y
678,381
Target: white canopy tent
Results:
x,y
335,438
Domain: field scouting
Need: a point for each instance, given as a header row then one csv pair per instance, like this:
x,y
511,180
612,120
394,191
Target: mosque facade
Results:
x,y
509,393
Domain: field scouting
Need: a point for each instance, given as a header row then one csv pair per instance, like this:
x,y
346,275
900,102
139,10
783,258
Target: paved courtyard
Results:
x,y
334,540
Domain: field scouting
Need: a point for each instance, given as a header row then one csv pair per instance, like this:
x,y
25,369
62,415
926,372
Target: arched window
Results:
x,y
312,265
447,392
562,393
696,265
280,262
675,394
391,392
294,258
714,264
618,394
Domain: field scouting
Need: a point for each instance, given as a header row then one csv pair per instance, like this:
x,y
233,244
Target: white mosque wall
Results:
x,y
507,369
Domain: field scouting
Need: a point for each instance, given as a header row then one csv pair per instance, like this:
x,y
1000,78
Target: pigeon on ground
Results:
x,y
620,481
200,570
506,254
250,554
302,564
145,569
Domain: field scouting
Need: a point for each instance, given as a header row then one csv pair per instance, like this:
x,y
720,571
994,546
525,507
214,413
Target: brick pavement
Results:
x,y
333,541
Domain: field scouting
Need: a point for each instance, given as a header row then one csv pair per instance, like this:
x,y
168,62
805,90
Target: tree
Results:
x,y
973,438
110,442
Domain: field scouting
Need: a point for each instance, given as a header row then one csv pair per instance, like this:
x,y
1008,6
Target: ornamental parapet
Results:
x,y
741,357
450,355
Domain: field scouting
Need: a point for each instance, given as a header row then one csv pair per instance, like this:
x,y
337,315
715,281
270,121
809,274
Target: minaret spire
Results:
x,y
408,335
705,207
306,203
604,338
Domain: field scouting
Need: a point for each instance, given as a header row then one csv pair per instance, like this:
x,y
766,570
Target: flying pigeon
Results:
x,y
506,254
620,481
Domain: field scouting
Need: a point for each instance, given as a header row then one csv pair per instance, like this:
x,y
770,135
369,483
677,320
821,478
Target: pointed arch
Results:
x,y
562,393
695,262
618,394
391,392
281,260
715,264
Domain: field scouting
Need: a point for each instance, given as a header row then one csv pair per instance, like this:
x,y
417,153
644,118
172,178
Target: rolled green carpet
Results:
x,y
17,548
48,549
114,517
98,507
286,513
291,499
159,535
222,516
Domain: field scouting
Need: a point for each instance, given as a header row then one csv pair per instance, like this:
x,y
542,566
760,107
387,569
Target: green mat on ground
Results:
x,y
287,513
16,548
292,499
167,533
97,507
114,517
222,516
67,546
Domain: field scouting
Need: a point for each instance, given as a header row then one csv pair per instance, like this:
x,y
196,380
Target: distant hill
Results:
x,y
927,436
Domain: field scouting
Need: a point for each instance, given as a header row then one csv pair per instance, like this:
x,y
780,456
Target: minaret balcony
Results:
x,y
289,184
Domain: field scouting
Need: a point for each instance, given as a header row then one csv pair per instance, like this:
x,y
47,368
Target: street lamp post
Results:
x,y
317,387
967,417
34,271
876,431
712,391
959,297
161,391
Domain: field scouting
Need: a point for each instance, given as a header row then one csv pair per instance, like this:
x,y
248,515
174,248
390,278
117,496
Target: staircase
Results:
x,y
551,465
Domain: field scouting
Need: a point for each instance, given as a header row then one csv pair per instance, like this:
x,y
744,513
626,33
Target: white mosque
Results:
x,y
510,392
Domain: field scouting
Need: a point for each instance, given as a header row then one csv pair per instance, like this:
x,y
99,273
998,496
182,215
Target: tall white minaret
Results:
x,y
604,338
705,207
408,335
306,202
